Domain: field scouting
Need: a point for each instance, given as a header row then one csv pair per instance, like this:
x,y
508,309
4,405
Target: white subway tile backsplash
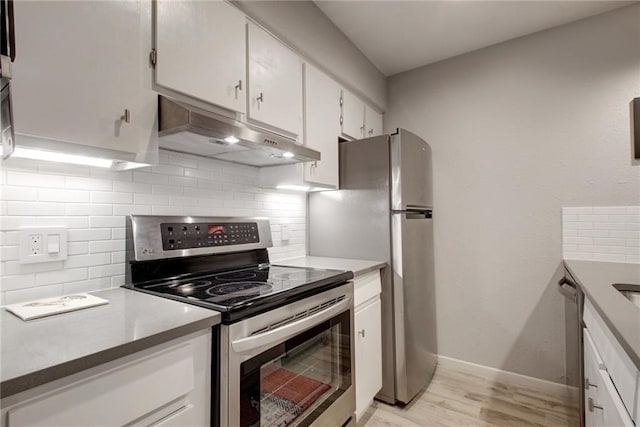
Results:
x,y
75,261
69,196
18,193
34,180
14,268
150,178
61,276
35,208
185,160
118,233
77,248
88,235
168,210
166,170
150,199
86,286
89,183
88,209
106,246
21,281
106,270
106,221
131,210
111,197
131,187
92,203
602,233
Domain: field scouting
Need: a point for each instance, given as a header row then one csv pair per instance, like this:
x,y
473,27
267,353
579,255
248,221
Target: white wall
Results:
x,y
304,26
93,203
518,131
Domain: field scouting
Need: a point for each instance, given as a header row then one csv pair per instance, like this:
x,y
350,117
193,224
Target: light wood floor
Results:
x,y
456,399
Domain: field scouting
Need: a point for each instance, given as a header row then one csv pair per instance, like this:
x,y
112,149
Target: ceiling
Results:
x,y
398,36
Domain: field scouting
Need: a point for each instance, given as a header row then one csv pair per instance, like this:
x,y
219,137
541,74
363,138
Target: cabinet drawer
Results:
x,y
619,366
365,287
115,397
606,409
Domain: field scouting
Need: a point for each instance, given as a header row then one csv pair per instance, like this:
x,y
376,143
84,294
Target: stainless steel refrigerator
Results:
x,y
383,211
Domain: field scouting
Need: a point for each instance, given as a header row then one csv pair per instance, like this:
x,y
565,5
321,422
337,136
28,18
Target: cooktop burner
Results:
x,y
240,289
232,290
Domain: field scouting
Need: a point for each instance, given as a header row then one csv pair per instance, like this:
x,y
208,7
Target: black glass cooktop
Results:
x,y
240,290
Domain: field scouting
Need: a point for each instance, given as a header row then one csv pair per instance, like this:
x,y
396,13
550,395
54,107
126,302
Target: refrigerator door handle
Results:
x,y
416,214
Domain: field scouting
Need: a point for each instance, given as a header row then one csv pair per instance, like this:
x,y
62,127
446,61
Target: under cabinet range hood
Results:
x,y
188,129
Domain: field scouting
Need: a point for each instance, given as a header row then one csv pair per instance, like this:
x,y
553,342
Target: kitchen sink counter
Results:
x,y
596,279
38,351
357,266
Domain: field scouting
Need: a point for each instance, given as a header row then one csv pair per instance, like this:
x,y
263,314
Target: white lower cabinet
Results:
x,y
368,339
166,385
604,402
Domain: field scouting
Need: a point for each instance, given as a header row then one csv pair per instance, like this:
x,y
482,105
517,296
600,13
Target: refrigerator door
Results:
x,y
414,301
411,185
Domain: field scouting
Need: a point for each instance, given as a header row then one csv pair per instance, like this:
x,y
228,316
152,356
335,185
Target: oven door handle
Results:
x,y
289,330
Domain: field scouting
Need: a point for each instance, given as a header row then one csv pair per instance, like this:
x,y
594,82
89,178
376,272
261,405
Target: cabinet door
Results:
x,y
368,349
78,68
275,83
352,116
322,115
201,48
372,121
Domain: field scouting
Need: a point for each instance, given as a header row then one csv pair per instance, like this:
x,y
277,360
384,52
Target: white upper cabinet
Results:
x,y
322,115
275,83
358,119
201,51
372,122
79,67
352,120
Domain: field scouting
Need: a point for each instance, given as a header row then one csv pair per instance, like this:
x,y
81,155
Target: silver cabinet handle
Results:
x,y
587,384
341,120
239,85
593,406
341,101
260,98
361,333
370,131
126,116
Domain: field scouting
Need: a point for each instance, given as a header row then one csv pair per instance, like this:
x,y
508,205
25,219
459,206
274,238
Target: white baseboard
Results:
x,y
562,391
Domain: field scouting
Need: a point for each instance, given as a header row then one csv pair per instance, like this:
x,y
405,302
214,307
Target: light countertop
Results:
x,y
38,351
357,266
621,315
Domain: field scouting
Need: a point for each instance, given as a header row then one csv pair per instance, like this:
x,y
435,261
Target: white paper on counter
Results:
x,y
50,306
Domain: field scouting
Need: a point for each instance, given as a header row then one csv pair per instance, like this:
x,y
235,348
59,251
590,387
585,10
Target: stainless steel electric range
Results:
x,y
286,339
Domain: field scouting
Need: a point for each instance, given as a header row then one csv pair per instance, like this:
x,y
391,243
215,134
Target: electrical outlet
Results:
x,y
284,232
35,244
42,244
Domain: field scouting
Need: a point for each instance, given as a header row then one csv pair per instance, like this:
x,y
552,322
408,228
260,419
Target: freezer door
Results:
x,y
411,175
414,302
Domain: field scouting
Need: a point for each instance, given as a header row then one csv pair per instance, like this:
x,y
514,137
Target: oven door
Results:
x,y
292,365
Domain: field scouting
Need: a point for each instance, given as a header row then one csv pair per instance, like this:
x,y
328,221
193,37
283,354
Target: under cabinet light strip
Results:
x,y
35,154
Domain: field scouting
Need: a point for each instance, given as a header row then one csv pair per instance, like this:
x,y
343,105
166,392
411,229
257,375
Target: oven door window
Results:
x,y
294,382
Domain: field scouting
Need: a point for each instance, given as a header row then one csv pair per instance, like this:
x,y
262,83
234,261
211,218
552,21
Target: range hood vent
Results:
x,y
188,129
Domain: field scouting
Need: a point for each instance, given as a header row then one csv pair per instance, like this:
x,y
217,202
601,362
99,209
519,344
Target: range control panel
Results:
x,y
203,235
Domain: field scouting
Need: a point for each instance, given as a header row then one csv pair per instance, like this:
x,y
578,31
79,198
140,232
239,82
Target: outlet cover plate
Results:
x,y
34,244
